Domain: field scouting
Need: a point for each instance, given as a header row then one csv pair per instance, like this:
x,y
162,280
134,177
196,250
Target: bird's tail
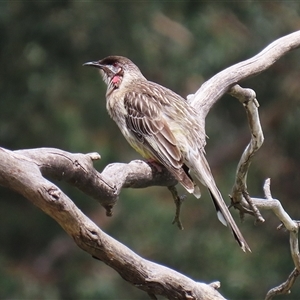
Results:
x,y
202,172
225,217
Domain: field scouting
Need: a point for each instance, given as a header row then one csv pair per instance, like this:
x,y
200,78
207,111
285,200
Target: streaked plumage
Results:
x,y
161,126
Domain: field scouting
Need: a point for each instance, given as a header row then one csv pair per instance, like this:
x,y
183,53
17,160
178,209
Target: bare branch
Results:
x,y
285,287
239,191
22,171
206,96
273,204
292,227
214,88
77,169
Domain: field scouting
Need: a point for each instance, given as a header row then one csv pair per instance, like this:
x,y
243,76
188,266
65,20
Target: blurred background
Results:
x,y
49,100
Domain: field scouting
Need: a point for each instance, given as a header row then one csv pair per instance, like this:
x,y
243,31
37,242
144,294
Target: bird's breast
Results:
x,y
115,106
116,109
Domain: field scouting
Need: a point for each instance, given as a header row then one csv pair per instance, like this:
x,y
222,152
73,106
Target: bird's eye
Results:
x,y
115,64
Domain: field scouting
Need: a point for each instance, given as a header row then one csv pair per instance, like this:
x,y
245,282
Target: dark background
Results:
x,y
49,100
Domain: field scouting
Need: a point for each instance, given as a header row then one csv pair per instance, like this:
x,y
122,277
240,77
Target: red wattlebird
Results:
x,y
162,127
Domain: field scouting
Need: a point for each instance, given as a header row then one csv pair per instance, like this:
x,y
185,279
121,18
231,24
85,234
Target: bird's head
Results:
x,y
116,70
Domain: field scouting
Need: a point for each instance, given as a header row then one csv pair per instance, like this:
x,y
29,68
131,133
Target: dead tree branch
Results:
x,y
78,170
292,227
240,194
239,191
24,171
214,88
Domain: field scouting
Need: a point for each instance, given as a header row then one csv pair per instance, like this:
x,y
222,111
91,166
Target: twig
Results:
x,y
273,204
285,287
292,227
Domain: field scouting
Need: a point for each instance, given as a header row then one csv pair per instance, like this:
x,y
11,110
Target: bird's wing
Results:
x,y
146,122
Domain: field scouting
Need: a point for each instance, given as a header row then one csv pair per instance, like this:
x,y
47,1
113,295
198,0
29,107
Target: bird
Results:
x,y
163,128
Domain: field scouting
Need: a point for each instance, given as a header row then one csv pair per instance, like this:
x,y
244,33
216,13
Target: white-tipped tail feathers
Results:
x,y
203,173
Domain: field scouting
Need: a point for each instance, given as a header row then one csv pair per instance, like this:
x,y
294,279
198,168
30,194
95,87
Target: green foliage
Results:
x,y
49,100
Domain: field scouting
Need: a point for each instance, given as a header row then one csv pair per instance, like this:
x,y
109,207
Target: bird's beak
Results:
x,y
105,68
95,64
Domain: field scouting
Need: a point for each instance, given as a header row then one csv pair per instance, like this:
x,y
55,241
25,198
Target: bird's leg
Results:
x,y
178,201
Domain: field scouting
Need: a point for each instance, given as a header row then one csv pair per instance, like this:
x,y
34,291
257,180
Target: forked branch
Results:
x,y
293,228
241,198
22,171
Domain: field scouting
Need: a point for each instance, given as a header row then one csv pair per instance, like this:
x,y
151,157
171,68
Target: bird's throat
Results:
x,y
116,80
